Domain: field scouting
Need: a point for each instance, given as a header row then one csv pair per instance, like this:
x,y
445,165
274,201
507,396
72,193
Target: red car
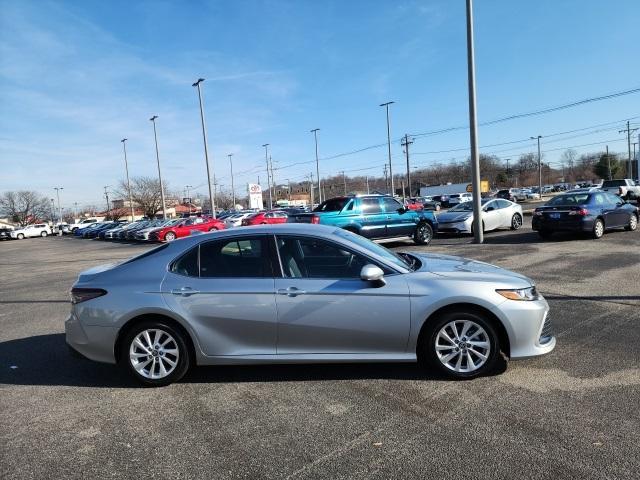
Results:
x,y
414,204
261,218
184,228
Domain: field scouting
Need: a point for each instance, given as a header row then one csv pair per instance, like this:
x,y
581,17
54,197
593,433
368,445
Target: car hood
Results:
x,y
468,269
454,216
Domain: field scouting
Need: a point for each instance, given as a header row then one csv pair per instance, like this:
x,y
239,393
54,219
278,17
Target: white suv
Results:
x,y
457,198
37,230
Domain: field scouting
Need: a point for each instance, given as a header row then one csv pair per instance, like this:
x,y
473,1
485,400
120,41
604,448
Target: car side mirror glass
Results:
x,y
372,273
402,210
489,209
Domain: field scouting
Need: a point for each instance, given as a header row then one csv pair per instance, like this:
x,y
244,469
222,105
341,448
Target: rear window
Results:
x,y
332,205
147,254
574,199
614,183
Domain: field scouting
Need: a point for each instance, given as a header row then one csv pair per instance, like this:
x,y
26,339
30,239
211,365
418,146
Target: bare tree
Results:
x,y
145,193
24,207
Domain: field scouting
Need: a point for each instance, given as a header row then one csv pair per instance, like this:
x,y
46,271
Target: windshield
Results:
x,y
614,183
374,248
332,205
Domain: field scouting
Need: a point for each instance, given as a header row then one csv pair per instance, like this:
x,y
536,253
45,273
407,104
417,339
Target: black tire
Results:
x,y
598,229
184,357
516,221
633,223
428,356
423,234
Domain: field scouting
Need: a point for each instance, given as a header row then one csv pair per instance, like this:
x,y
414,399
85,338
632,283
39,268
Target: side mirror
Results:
x,y
372,273
489,209
402,210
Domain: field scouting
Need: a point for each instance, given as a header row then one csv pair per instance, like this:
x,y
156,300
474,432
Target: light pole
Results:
x,y
315,136
187,188
206,150
126,168
367,181
478,235
75,211
233,189
344,181
106,195
155,136
57,189
406,144
289,191
386,105
266,159
539,165
53,212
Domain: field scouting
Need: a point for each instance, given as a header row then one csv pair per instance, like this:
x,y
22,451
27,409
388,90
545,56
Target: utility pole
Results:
x,y
75,211
311,189
57,189
539,165
634,156
233,189
126,168
386,105
53,212
273,180
155,136
609,162
344,182
367,180
315,136
386,181
266,159
473,129
212,198
106,195
406,144
289,191
629,131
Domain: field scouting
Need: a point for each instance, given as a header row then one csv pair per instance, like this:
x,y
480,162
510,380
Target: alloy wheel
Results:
x,y
633,223
598,229
516,221
170,237
154,354
462,346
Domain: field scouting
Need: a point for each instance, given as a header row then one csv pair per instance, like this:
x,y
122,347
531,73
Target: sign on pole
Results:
x,y
255,195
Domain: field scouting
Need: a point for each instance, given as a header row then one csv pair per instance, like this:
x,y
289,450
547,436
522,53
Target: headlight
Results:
x,y
521,294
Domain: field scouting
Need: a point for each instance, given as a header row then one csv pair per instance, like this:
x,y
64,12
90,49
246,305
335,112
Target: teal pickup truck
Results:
x,y
373,216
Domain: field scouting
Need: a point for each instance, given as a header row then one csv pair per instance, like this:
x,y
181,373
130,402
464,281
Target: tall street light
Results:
x,y
206,150
57,189
233,188
315,137
266,159
473,129
539,165
386,105
155,136
126,167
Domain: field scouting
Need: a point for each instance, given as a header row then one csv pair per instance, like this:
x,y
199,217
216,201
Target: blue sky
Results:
x,y
76,77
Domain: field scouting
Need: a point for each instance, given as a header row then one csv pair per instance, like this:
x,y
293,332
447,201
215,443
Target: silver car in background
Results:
x,y
296,293
496,213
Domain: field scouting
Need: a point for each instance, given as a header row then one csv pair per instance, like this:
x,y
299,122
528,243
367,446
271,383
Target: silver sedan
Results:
x,y
296,293
496,213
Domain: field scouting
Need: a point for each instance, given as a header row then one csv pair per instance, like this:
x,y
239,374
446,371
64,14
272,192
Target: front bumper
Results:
x,y
528,327
92,342
455,227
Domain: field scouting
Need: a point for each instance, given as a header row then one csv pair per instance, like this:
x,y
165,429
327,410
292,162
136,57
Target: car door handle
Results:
x,y
291,291
184,291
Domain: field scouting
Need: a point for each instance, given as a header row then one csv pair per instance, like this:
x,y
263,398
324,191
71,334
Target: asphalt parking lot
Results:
x,y
572,414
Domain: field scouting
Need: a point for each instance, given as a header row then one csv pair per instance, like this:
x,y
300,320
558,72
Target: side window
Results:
x,y
349,207
371,205
599,199
244,257
187,264
391,205
502,203
313,258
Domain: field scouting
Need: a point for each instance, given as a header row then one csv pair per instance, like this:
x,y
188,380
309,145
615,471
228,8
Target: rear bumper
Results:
x,y
584,224
92,342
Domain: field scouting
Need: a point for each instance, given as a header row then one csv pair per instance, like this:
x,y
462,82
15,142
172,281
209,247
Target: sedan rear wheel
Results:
x,y
170,237
460,344
155,354
516,221
633,223
598,229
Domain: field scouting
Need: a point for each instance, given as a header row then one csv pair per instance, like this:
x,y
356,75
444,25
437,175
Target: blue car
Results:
x,y
584,212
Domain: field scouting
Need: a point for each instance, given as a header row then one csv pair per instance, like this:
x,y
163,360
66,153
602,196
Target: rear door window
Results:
x,y
371,205
391,205
243,257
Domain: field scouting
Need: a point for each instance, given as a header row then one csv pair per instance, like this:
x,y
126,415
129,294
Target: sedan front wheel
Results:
x,y
460,344
423,234
516,221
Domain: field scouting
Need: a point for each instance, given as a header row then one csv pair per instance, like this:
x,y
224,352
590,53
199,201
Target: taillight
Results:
x,y
79,295
315,219
581,211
